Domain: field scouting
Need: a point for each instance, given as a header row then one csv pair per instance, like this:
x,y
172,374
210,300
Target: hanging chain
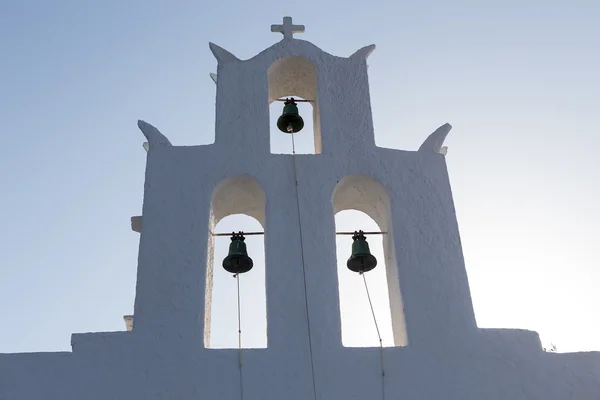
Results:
x,y
310,349
378,335
239,316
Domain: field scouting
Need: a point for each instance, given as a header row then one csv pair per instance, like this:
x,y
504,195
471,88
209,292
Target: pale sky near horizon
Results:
x,y
519,82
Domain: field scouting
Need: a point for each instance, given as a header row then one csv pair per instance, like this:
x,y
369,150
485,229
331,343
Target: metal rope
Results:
x,y
312,366
378,335
239,315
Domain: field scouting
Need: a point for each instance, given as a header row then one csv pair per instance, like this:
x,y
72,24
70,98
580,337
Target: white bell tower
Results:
x,y
295,198
439,351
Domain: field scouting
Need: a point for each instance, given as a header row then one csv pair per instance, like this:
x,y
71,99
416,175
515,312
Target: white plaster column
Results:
x,y
319,242
242,109
173,246
432,274
345,109
286,305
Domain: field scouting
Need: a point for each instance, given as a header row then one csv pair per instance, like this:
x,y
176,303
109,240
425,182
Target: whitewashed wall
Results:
x,y
440,353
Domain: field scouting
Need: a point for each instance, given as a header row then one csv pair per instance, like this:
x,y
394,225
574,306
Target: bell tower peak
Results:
x,y
288,28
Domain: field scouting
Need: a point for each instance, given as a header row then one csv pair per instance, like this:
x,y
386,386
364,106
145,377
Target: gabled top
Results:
x,y
300,61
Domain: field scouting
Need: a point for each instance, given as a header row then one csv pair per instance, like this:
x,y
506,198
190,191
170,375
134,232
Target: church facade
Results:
x,y
439,351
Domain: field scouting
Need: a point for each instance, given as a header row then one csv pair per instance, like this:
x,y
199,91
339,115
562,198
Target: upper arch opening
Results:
x,y
297,77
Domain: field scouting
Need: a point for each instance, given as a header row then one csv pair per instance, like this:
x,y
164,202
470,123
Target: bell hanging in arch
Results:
x,y
361,259
290,121
237,261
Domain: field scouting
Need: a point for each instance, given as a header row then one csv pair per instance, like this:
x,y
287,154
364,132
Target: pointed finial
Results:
x,y
435,142
364,52
154,136
222,55
288,28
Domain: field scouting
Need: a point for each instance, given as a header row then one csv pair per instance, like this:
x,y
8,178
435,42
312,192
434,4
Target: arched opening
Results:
x,y
358,329
253,310
238,204
361,203
294,77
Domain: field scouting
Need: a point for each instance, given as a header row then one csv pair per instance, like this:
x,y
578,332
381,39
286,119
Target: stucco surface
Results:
x,y
440,352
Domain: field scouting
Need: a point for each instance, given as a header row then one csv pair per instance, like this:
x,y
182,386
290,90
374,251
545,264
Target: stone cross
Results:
x,y
288,29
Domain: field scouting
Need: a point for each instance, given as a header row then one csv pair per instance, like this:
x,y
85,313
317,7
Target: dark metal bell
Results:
x,y
361,259
290,121
237,261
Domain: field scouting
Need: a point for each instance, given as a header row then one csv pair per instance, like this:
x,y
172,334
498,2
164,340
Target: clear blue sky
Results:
x,y
518,80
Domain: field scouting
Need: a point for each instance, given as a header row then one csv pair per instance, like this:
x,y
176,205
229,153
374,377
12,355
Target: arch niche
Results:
x,y
363,193
234,197
295,76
